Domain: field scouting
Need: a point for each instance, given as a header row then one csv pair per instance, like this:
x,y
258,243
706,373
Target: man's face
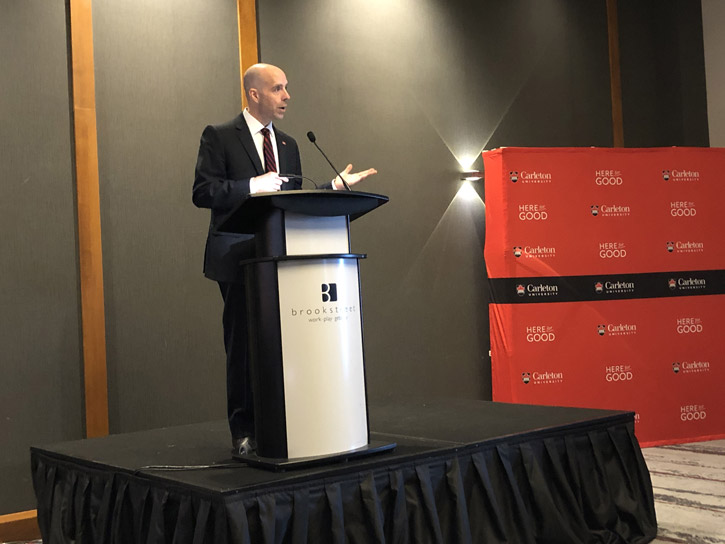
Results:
x,y
269,97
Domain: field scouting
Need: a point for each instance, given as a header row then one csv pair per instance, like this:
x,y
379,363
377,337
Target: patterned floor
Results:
x,y
689,488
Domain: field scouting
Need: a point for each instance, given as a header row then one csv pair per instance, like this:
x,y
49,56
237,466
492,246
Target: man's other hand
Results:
x,y
266,183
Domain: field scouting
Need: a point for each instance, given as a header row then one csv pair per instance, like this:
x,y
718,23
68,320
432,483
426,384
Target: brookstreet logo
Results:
x,y
328,311
324,310
329,292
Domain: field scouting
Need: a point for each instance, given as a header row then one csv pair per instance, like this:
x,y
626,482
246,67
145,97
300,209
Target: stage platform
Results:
x,y
464,471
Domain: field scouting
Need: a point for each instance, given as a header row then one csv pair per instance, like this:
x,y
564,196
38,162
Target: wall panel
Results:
x,y
40,358
164,69
415,88
663,73
713,19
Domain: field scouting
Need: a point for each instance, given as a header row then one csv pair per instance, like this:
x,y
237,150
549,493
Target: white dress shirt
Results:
x,y
255,129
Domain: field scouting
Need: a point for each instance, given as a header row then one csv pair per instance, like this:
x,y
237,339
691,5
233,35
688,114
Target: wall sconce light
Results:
x,y
471,175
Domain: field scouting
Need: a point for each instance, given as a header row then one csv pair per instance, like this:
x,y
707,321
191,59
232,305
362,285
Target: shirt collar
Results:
x,y
254,125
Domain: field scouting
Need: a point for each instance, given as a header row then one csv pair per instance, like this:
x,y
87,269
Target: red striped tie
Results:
x,y
269,163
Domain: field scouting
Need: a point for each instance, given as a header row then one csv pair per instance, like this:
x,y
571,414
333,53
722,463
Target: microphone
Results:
x,y
311,137
293,176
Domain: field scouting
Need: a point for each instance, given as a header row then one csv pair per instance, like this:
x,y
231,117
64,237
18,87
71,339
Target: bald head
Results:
x,y
256,74
265,87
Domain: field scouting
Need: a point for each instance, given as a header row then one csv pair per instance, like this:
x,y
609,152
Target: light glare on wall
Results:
x,y
466,161
467,192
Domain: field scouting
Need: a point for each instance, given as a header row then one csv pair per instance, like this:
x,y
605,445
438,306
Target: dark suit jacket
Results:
x,y
227,160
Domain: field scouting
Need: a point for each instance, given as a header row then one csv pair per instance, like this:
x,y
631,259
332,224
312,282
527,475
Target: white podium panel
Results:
x,y
322,351
309,235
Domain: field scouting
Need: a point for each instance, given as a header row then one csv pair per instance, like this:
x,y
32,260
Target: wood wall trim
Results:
x,y
21,526
615,74
93,321
248,41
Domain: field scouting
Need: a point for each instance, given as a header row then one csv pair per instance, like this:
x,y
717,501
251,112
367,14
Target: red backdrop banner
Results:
x,y
607,272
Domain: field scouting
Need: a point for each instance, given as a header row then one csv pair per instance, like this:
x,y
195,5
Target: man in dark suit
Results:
x,y
241,157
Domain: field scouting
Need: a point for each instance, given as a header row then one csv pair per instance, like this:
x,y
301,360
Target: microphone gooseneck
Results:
x,y
293,176
311,137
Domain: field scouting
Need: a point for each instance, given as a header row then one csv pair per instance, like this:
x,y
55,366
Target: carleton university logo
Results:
x,y
686,246
517,251
677,175
514,176
520,290
599,287
329,292
595,209
601,329
687,283
690,367
526,377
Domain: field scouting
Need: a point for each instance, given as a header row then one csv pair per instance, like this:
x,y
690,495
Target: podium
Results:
x,y
305,326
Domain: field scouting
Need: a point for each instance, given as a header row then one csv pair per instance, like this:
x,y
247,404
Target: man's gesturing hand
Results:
x,y
354,178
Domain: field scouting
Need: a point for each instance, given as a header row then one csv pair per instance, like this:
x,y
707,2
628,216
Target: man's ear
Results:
x,y
253,95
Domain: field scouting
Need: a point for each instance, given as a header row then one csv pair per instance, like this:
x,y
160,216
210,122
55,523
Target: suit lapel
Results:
x,y
281,151
246,138
283,154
